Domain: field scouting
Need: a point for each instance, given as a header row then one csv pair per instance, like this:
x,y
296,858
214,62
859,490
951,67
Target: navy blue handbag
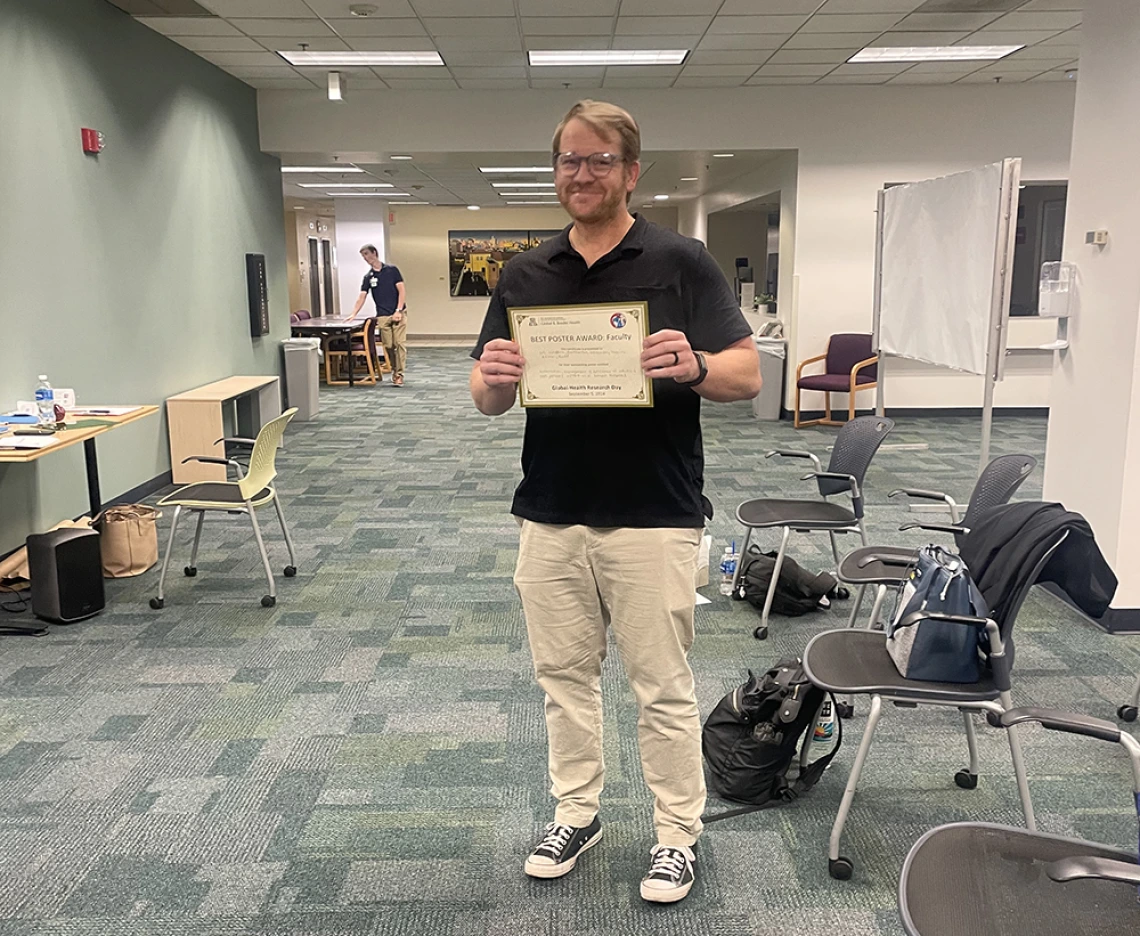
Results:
x,y
939,651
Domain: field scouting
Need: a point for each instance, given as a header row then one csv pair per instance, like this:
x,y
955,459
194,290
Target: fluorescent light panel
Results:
x,y
958,53
360,58
369,194
523,184
518,169
333,169
530,194
345,184
608,57
532,203
401,157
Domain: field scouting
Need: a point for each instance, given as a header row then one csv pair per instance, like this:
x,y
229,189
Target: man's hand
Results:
x,y
667,353
500,364
397,316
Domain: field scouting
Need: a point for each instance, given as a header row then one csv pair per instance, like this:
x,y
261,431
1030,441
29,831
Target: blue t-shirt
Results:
x,y
382,284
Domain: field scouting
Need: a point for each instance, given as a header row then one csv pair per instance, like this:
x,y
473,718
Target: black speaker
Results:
x,y
66,569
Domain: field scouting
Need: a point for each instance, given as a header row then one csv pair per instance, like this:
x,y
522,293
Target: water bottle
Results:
x,y
825,723
45,402
727,569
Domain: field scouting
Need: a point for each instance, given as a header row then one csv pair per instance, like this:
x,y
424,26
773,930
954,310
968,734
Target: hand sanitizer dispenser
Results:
x,y
1058,280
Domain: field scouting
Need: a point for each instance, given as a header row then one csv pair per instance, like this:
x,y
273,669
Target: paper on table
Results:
x,y
104,410
26,442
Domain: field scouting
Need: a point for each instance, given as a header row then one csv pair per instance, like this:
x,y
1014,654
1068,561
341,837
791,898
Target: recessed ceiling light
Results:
x,y
529,194
394,156
548,203
333,169
323,185
336,86
691,178
660,197
723,155
360,58
608,57
516,168
523,184
473,207
959,53
368,195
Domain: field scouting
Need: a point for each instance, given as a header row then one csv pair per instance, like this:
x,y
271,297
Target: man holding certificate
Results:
x,y
609,335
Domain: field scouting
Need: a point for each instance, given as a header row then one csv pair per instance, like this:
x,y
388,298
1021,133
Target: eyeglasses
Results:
x,y
600,164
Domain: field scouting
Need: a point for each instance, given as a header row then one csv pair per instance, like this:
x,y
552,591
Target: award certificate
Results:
x,y
584,355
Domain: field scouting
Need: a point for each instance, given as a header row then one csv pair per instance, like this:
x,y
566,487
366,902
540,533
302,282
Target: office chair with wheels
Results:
x,y
252,490
887,566
855,447
1128,711
994,880
856,662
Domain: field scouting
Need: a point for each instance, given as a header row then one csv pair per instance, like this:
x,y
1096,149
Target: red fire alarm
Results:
x,y
92,141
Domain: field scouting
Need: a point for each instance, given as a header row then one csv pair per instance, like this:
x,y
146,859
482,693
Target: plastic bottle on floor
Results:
x,y
728,569
825,723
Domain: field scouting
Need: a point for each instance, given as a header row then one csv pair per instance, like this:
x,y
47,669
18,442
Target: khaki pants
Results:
x,y
392,337
575,581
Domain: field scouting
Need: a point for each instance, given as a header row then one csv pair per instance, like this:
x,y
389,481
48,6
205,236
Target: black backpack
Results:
x,y
797,591
750,739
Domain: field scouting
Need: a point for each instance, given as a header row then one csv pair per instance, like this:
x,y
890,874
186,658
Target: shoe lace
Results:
x,y
668,862
556,837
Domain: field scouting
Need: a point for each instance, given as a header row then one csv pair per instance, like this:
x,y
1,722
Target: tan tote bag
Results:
x,y
128,539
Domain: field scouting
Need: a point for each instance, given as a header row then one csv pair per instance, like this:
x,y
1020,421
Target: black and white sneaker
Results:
x,y
558,850
671,874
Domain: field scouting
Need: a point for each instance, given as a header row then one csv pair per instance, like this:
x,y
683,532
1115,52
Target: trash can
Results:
x,y
302,375
773,351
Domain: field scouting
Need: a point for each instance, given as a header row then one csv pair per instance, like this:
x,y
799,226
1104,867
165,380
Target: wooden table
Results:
x,y
327,327
70,437
197,422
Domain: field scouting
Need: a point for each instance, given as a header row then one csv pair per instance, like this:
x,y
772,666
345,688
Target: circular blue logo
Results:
x,y
617,320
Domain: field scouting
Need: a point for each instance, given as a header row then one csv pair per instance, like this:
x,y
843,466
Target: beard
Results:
x,y
610,205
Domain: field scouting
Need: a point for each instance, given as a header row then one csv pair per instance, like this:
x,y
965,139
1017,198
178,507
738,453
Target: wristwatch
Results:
x,y
702,372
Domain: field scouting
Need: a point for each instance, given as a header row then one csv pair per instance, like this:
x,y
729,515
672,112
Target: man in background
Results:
x,y
387,287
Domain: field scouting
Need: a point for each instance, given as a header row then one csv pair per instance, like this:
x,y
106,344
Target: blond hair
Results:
x,y
604,119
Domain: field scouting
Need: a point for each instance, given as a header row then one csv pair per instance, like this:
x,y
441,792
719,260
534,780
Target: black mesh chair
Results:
x,y
886,566
991,880
855,446
856,662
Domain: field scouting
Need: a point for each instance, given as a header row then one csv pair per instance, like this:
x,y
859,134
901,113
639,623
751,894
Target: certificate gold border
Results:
x,y
639,310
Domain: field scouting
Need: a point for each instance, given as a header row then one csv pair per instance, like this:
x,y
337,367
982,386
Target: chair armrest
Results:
x,y
1057,720
920,494
1088,866
861,365
236,441
887,559
954,528
917,617
209,460
791,453
834,476
810,360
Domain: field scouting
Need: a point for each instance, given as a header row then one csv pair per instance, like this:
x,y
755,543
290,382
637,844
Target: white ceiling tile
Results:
x,y
746,41
1052,76
225,59
853,41
567,25
1005,67
568,72
654,42
320,75
737,25
794,71
945,22
621,81
500,71
782,80
912,77
553,43
314,43
467,7
260,28
855,79
501,43
419,72
491,84
661,25
1042,20
669,7
188,25
754,7
873,68
273,8
419,84
870,6
851,23
718,71
399,44
390,26
366,84
1071,37
645,71
728,57
1017,37
1045,50
552,83
559,8
709,82
810,57
339,9
947,68
280,84
985,78
466,59
262,71
894,38
218,43
1036,5
471,26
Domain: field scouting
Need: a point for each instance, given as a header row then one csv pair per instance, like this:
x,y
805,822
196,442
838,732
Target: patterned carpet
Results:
x,y
369,756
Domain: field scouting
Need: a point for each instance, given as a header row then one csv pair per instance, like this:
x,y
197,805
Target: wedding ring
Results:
x,y
676,359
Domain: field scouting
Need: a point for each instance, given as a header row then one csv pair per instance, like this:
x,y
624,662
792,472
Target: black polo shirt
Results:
x,y
382,284
620,467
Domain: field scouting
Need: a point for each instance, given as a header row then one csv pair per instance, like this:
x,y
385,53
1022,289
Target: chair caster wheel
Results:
x,y
845,709
189,571
1127,713
966,780
761,633
268,601
157,604
290,571
842,592
840,868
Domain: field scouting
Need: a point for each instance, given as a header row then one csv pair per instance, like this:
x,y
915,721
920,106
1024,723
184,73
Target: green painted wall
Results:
x,y
123,276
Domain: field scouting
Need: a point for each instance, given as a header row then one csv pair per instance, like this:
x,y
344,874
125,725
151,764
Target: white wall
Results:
x,y
359,221
850,141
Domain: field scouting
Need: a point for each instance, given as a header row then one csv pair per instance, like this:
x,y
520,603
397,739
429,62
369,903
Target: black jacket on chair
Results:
x,y
1014,537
